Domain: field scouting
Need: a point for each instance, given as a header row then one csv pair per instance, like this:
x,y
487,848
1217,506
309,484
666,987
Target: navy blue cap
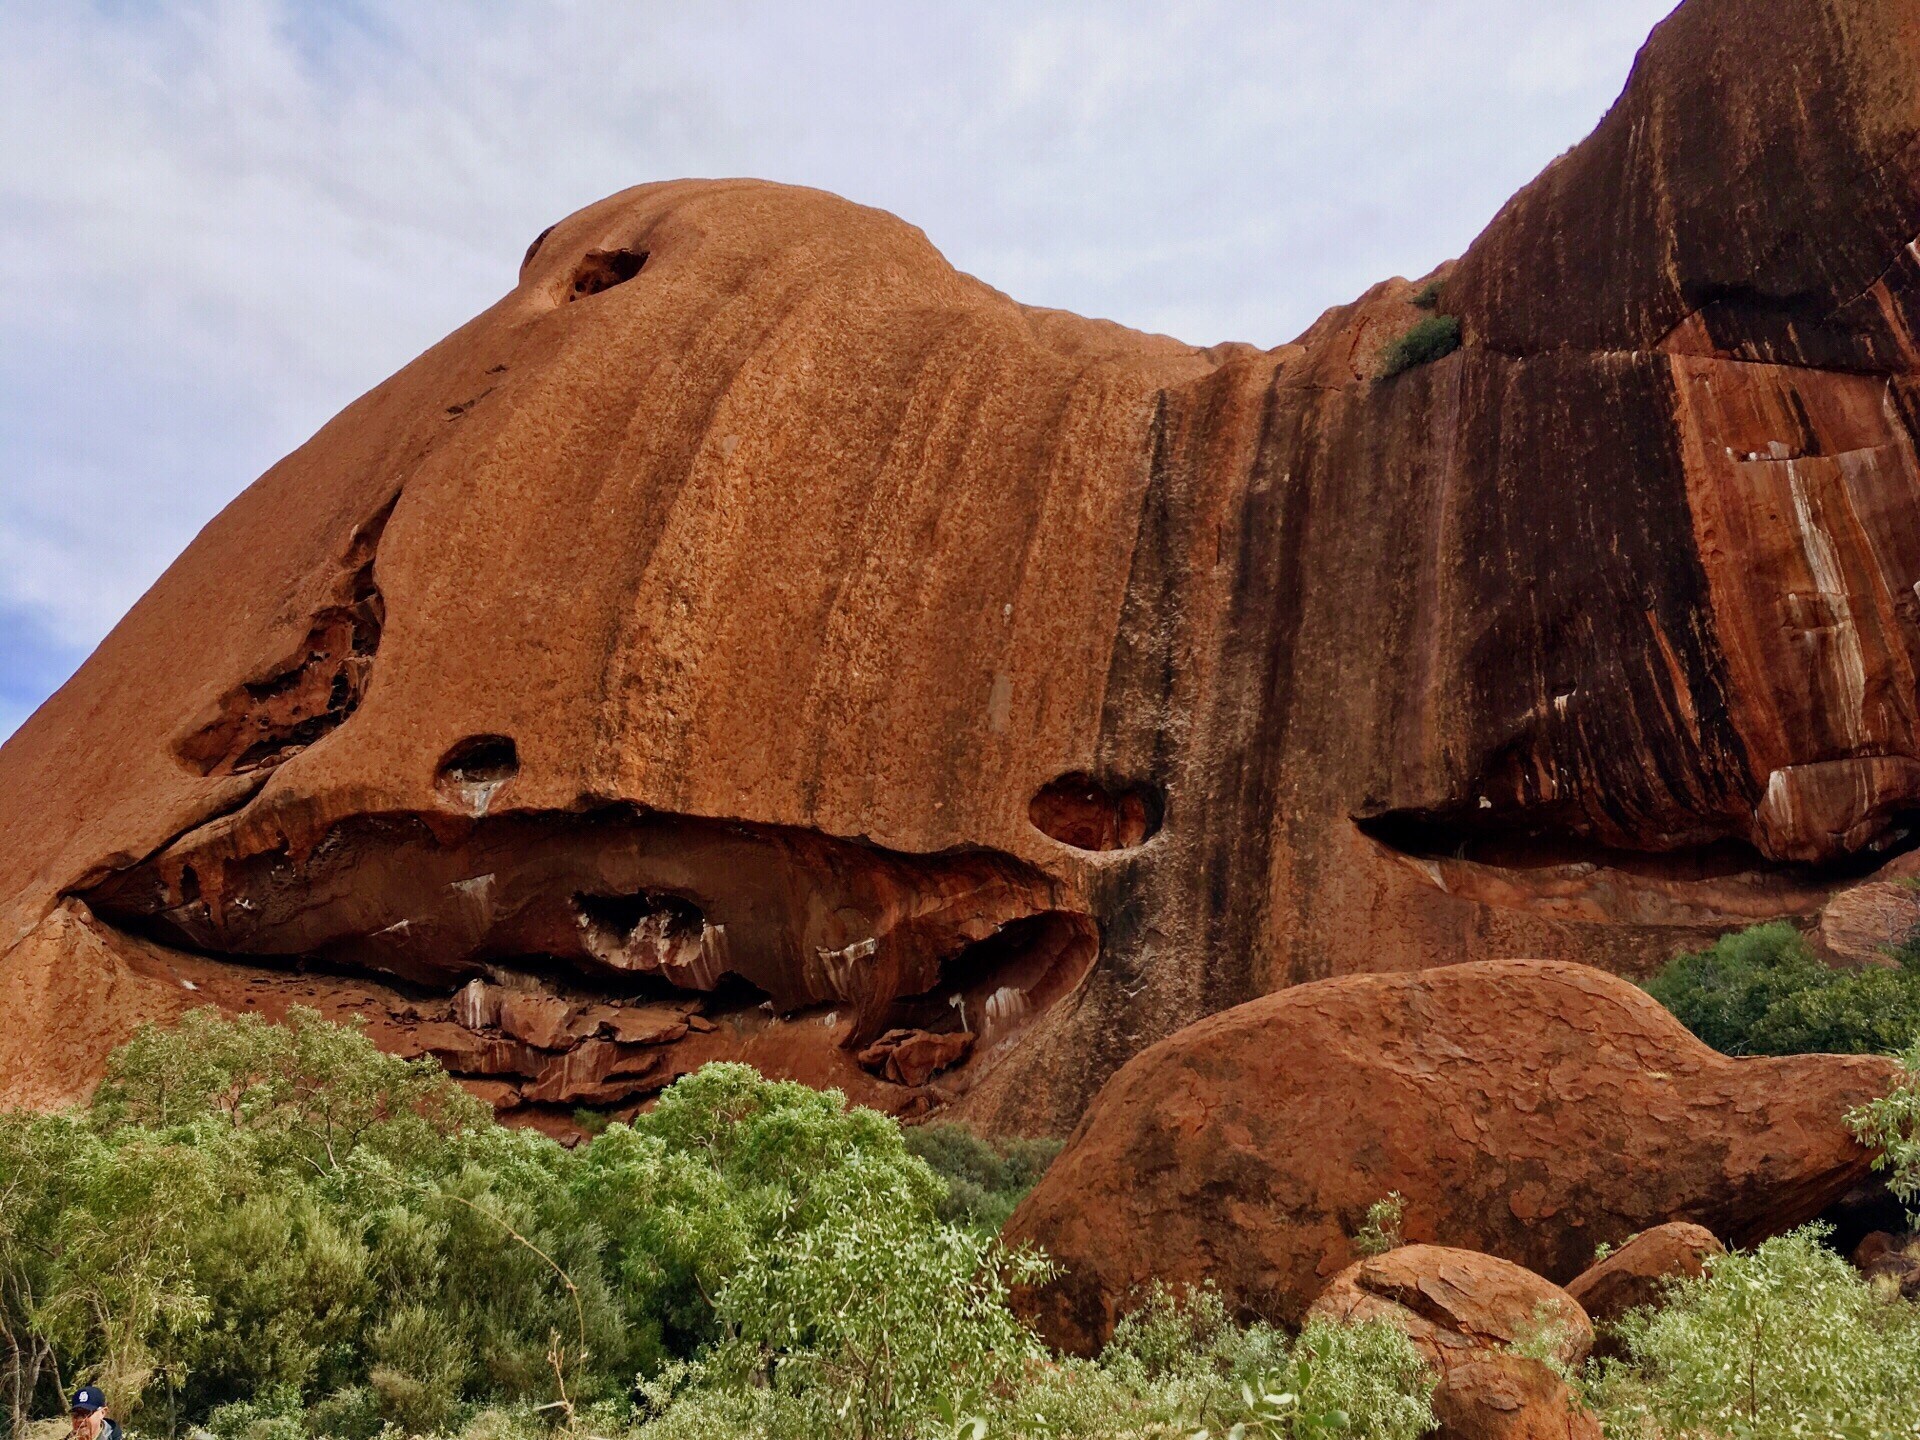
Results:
x,y
88,1398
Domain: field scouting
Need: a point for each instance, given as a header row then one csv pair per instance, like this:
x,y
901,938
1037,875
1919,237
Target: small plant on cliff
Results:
x,y
1428,295
1762,991
1430,338
1381,1231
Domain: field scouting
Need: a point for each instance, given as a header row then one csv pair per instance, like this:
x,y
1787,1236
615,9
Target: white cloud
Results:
x,y
219,221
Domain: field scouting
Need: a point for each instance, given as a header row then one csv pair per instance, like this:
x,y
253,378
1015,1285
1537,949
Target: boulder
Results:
x,y
913,1057
1638,1273
1494,1395
1466,1312
1525,1109
1456,1301
1894,1259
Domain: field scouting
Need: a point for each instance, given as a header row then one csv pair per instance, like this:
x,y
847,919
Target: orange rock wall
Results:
x,y
744,509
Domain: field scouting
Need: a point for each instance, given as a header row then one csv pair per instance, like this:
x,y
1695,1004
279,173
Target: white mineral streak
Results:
x,y
476,1005
1823,563
836,974
1004,1009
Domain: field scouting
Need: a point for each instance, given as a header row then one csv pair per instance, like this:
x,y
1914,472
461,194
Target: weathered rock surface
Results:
x,y
1451,1301
1466,1312
1528,1110
748,610
1638,1273
1892,1259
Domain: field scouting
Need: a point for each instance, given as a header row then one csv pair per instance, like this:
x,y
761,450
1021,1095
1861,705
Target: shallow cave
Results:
x,y
261,723
1542,839
616,948
1091,814
602,270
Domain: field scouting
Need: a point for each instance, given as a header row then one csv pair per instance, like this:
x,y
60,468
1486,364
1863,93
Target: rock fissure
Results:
x,y
263,723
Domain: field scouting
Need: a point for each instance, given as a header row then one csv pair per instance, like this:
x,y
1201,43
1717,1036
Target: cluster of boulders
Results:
x,y
1561,1147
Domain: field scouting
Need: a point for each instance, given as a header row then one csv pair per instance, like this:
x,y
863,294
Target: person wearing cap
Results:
x,y
90,1421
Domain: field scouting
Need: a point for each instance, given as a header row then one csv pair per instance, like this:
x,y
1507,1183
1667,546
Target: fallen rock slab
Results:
x,y
1525,1109
1638,1273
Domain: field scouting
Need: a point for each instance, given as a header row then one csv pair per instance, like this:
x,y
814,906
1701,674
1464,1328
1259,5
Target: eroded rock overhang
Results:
x,y
563,956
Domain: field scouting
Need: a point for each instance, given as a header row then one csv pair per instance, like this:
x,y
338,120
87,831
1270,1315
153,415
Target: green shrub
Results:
x,y
1890,1126
1381,1232
1431,337
1179,1367
986,1179
278,1234
1763,991
1427,297
1787,1340
873,1321
250,1209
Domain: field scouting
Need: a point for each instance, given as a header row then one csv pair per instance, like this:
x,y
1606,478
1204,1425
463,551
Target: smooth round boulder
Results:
x,y
1526,1109
1496,1395
1467,1312
1639,1272
1452,1301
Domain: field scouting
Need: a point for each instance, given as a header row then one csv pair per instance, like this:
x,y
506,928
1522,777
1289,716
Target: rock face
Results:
x,y
1527,1110
750,613
1465,1312
1638,1272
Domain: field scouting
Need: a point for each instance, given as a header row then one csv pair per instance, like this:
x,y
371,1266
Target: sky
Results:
x,y
221,221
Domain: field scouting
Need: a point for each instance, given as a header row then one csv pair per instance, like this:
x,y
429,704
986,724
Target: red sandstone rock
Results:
x,y
1465,1311
1894,1259
540,1020
1525,1109
913,1057
1637,1274
1451,1301
751,607
1491,1395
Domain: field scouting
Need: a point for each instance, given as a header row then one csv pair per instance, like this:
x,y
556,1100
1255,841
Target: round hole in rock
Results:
x,y
603,269
473,771
1078,810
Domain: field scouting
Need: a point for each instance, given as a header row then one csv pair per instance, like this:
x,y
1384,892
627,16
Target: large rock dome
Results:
x,y
753,637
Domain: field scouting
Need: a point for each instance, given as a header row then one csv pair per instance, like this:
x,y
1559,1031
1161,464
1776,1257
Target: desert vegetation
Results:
x,y
1762,991
1426,340
278,1233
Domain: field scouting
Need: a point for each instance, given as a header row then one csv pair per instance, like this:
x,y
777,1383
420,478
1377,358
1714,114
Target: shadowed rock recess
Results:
x,y
751,637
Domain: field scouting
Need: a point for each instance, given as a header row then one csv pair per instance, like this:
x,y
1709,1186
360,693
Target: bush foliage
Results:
x,y
1787,1340
1764,992
985,1178
1430,338
279,1233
